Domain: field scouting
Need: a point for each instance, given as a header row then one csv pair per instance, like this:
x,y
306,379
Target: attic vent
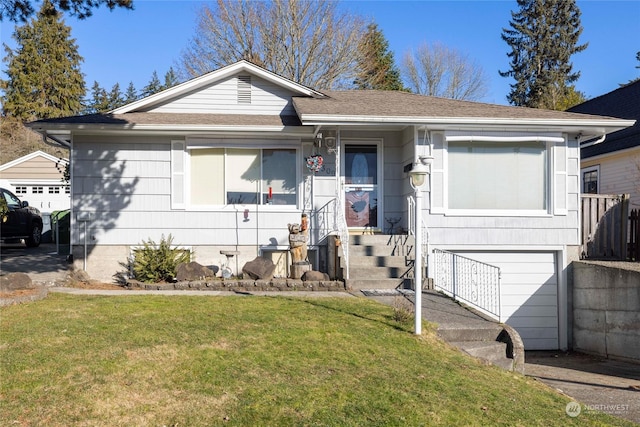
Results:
x,y
244,89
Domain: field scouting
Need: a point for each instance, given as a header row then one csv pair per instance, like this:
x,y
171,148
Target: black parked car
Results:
x,y
20,221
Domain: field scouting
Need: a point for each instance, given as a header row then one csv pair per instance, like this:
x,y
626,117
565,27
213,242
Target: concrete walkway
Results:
x,y
599,384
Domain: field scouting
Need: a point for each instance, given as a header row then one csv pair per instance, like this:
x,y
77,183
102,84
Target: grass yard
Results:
x,y
249,361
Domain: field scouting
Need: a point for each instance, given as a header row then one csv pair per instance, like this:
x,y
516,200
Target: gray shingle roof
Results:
x,y
399,107
401,104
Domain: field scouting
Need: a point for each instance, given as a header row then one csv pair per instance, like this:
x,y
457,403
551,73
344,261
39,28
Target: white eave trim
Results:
x,y
323,119
489,138
297,131
212,77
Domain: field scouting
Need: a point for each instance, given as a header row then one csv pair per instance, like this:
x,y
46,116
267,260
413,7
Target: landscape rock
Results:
x,y
15,281
189,271
313,275
259,268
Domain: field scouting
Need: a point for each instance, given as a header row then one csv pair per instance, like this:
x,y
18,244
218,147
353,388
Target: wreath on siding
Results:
x,y
314,163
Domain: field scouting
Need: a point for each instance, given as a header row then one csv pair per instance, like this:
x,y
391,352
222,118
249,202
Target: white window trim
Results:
x,y
241,143
550,141
588,169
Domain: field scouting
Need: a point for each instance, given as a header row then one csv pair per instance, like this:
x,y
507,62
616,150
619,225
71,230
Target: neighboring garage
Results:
x,y
528,294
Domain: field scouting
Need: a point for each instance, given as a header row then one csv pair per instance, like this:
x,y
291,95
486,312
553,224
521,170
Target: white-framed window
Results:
x,y
498,176
21,189
37,190
247,176
54,190
590,182
67,189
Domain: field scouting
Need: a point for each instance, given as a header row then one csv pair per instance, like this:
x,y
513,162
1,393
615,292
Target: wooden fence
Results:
x,y
604,226
633,253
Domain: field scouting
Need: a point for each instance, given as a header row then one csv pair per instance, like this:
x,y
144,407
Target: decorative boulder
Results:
x,y
15,281
314,276
259,269
189,271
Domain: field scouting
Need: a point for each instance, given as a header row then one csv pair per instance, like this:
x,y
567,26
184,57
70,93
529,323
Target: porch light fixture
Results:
x,y
418,175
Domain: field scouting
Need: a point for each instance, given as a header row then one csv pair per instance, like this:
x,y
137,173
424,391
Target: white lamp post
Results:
x,y
418,175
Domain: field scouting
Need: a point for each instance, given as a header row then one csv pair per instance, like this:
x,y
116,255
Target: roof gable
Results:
x,y
174,99
31,156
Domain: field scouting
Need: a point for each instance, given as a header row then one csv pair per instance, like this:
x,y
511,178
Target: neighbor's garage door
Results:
x,y
529,294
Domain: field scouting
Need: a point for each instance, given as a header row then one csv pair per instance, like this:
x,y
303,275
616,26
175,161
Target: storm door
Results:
x,y
361,178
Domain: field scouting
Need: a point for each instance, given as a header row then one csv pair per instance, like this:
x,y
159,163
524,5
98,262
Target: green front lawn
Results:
x,y
249,361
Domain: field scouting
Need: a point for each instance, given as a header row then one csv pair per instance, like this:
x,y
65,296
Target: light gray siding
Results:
x,y
222,98
127,189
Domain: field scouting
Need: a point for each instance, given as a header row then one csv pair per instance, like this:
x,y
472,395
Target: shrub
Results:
x,y
402,310
155,263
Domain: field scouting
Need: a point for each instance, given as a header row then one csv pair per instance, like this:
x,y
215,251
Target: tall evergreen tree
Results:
x,y
45,80
170,79
154,86
376,65
131,94
98,102
115,97
543,36
21,10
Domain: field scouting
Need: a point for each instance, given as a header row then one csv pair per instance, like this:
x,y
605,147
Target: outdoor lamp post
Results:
x,y
417,176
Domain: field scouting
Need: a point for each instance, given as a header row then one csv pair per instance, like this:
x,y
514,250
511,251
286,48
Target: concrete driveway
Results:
x,y
599,384
43,264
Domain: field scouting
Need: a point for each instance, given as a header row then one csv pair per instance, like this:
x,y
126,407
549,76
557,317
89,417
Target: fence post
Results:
x,y
624,214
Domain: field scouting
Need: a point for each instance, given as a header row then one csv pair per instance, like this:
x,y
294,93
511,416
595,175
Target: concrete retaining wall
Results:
x,y
606,310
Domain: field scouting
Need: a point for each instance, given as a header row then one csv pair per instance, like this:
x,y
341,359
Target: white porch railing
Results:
x,y
472,282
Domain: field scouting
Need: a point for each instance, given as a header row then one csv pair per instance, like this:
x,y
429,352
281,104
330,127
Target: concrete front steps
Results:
x,y
480,342
380,261
385,262
492,342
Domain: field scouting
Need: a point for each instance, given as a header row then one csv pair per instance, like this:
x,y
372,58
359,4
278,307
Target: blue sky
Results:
x,y
123,46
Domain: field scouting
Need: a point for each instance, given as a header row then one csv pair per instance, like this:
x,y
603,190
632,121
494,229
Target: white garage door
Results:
x,y
528,294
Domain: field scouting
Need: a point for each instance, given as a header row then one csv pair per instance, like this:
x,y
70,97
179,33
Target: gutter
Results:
x,y
592,141
58,142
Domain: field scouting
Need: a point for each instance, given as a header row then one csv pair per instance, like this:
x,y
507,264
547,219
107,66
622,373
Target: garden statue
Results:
x,y
298,235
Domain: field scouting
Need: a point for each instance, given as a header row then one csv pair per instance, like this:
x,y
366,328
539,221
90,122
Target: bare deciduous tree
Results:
x,y
309,41
437,70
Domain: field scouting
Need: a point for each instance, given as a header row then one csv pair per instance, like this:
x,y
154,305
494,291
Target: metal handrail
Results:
x,y
467,280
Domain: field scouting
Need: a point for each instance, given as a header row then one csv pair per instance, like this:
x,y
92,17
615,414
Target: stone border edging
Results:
x,y
273,285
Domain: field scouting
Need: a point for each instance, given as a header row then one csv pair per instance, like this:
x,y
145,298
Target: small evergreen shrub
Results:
x,y
153,263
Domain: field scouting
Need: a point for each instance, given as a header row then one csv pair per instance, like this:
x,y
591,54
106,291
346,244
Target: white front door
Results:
x,y
361,185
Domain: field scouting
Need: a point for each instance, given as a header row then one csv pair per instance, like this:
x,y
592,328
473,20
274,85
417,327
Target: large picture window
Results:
x,y
243,176
498,176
